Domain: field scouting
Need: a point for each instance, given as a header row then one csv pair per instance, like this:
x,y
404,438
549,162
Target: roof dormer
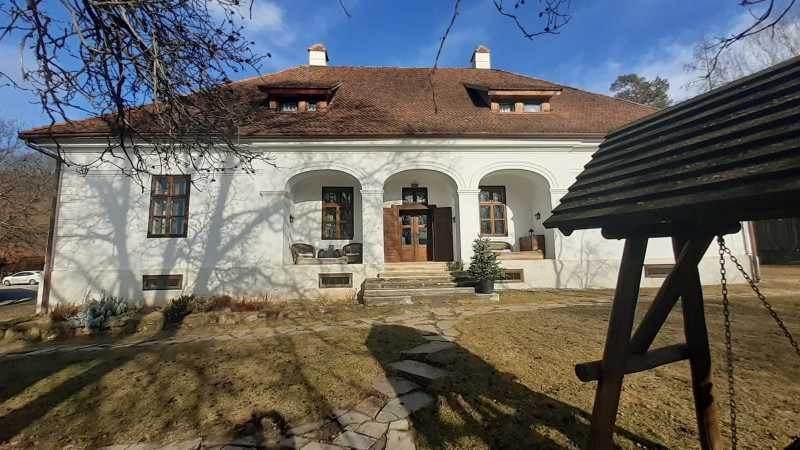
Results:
x,y
522,99
298,97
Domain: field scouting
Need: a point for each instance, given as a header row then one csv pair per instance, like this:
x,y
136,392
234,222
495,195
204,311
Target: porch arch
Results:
x,y
456,177
425,190
526,198
355,172
306,221
538,169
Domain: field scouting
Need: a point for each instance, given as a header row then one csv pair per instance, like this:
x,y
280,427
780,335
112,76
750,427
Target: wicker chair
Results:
x,y
301,253
353,253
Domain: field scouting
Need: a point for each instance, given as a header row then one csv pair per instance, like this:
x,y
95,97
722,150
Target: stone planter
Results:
x,y
484,287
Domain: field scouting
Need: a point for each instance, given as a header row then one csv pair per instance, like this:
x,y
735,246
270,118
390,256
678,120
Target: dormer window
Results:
x,y
525,100
298,97
532,107
289,106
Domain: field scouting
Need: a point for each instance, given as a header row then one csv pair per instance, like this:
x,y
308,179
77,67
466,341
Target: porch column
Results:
x,y
468,221
372,229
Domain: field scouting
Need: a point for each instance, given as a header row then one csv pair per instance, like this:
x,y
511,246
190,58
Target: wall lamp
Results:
x,y
291,218
538,216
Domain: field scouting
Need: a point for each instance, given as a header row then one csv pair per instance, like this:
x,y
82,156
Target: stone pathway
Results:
x,y
379,422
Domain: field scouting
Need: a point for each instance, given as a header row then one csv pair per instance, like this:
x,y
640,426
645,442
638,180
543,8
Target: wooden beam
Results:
x,y
523,93
592,371
620,324
668,295
684,230
694,325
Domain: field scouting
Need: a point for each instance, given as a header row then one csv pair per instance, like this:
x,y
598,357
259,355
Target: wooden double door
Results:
x,y
417,233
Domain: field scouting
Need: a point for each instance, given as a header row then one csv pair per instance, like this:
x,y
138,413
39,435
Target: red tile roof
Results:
x,y
388,101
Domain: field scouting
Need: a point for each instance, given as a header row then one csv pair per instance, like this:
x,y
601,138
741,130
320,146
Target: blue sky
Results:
x,y
604,39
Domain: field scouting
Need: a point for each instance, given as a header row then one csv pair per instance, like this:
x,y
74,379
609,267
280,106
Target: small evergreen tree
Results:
x,y
484,265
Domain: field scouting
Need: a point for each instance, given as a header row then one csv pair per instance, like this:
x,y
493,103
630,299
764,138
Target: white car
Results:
x,y
29,277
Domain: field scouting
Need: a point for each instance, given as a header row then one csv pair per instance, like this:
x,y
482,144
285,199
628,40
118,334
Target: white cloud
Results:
x,y
265,15
265,23
668,60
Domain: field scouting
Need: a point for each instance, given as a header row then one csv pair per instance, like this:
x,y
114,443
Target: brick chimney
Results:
x,y
317,55
481,58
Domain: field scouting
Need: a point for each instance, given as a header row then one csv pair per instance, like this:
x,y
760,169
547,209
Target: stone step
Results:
x,y
418,263
427,349
375,284
418,371
371,293
387,300
437,279
415,268
414,274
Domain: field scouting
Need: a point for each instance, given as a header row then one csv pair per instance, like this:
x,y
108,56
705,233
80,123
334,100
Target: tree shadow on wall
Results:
x,y
479,406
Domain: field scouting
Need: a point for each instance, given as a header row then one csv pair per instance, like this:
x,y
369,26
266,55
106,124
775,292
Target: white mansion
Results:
x,y
370,169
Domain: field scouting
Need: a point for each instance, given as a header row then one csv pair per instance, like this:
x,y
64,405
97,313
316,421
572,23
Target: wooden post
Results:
x,y
694,324
686,259
620,324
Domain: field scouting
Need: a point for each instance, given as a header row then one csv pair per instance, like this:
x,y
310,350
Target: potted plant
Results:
x,y
484,266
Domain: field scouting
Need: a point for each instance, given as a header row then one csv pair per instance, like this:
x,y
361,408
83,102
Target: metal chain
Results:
x,y
764,301
726,311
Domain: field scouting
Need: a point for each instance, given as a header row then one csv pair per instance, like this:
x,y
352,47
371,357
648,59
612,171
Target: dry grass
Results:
x,y
512,386
517,388
170,393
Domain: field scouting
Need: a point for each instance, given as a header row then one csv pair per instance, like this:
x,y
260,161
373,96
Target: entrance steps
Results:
x,y
402,283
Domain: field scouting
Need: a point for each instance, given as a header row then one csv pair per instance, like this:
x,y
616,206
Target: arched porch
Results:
x,y
512,205
324,214
420,210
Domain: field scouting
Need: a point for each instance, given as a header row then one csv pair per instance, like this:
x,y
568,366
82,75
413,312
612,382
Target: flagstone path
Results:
x,y
379,422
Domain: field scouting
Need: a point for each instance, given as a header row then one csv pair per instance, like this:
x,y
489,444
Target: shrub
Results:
x,y
64,312
484,265
178,308
95,315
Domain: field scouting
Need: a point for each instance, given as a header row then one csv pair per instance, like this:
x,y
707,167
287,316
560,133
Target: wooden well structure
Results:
x,y
689,172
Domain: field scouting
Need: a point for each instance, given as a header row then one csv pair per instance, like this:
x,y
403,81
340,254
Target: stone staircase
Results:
x,y
402,283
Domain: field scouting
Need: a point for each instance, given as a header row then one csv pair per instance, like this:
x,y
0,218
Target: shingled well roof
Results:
x,y
728,155
383,101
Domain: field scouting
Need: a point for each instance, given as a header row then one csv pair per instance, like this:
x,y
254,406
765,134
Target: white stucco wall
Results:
x,y
239,231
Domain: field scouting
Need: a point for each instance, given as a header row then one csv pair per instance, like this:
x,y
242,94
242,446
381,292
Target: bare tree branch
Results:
x,y
26,186
766,20
156,71
344,8
554,13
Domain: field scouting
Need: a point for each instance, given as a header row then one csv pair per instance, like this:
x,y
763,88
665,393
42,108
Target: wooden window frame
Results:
x,y
169,195
162,282
414,194
340,235
491,204
326,275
